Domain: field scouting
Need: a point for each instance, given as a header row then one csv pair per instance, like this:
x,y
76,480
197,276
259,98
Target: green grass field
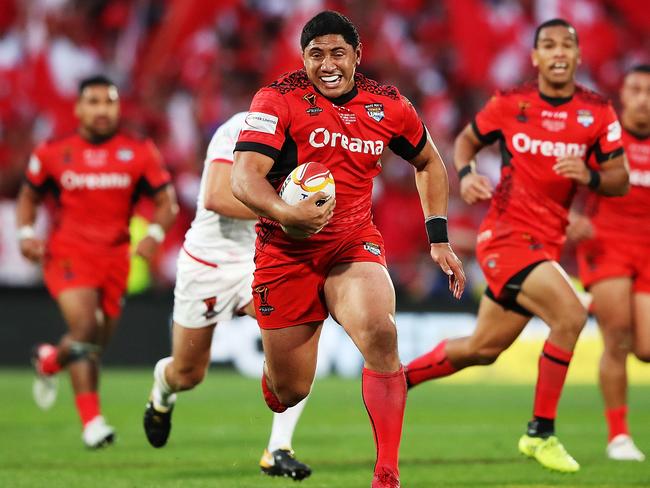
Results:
x,y
455,435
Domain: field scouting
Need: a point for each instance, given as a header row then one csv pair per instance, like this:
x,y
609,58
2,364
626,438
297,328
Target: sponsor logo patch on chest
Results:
x,y
375,111
71,180
124,154
585,117
95,157
321,137
523,143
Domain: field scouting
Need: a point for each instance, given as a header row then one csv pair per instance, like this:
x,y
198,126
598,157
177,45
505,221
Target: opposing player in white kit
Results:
x,y
213,284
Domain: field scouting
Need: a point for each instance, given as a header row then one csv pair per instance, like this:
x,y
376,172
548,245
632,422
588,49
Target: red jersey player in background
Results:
x,y
96,176
614,264
547,131
326,113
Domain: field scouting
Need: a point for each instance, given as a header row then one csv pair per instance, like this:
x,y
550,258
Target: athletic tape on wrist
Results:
x,y
464,171
157,232
436,226
594,179
26,232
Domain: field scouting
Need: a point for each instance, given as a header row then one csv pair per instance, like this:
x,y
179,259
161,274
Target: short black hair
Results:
x,y
553,23
329,22
639,68
100,80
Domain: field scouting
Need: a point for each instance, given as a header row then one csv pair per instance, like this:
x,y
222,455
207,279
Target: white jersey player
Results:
x,y
213,283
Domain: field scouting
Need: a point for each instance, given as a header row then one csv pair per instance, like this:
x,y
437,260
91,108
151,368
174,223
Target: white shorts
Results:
x,y
205,295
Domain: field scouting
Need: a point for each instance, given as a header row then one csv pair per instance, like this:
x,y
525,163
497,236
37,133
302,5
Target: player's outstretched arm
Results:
x,y
166,209
250,186
218,194
433,186
612,179
26,207
473,186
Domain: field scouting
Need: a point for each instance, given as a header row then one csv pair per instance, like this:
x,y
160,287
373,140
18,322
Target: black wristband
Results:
x,y
594,179
464,171
436,229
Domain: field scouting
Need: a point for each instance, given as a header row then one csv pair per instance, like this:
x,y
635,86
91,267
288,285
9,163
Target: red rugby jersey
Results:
x,y
96,186
293,123
627,218
534,131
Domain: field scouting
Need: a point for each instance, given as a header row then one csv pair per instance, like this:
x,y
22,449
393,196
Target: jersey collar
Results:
x,y
343,99
98,140
555,101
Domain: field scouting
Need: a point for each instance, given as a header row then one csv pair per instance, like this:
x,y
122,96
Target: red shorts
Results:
x,y
501,256
108,274
602,258
289,291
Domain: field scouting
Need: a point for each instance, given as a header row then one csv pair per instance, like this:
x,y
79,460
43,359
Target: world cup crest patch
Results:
x,y
375,111
585,118
263,293
209,305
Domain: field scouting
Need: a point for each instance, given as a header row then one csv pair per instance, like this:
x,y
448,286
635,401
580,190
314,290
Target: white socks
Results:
x,y
283,426
162,395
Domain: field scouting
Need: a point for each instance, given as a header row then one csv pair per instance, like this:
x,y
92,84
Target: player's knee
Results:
x,y
379,337
618,342
189,376
572,321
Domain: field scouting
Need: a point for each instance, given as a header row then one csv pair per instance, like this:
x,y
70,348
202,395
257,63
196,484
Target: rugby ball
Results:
x,y
301,183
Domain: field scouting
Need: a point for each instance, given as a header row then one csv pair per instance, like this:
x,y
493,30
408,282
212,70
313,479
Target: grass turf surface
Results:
x,y
454,436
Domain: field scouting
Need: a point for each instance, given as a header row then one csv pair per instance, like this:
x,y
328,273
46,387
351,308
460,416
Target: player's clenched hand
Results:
x,y
32,249
475,187
309,216
146,248
573,168
445,257
579,228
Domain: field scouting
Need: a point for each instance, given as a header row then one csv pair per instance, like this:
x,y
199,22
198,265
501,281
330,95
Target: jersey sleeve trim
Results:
x,y
48,185
485,139
143,186
601,157
404,149
222,160
258,147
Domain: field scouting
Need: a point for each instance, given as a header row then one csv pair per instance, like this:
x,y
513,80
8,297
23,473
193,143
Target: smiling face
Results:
x,y
557,57
330,63
98,111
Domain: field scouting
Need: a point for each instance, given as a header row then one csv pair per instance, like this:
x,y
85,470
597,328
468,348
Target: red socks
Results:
x,y
47,359
87,406
384,395
270,398
617,421
553,366
433,364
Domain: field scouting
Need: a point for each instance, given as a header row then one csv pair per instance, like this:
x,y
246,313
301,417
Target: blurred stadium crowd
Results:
x,y
185,66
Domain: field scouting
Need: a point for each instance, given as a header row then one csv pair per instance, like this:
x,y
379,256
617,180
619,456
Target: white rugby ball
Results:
x,y
301,183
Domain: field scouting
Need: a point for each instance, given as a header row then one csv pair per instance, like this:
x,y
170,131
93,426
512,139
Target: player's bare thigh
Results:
x,y
191,351
547,292
642,326
496,329
79,309
290,355
360,296
612,306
